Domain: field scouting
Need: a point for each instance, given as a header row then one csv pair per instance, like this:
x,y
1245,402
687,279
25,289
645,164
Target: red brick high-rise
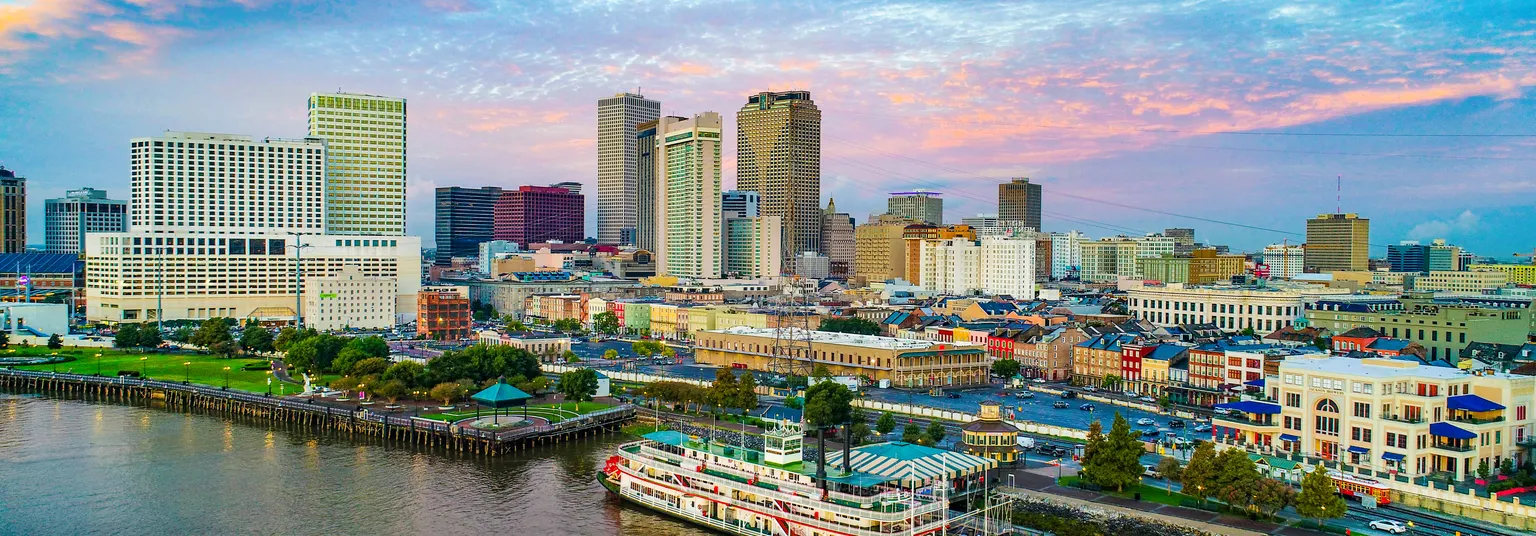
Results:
x,y
534,214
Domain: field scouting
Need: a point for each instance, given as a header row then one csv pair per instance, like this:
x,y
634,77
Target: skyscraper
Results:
x,y
752,246
466,217
1338,242
1183,239
86,210
535,214
207,183
778,146
688,196
837,241
617,161
13,207
643,233
919,205
365,161
1019,200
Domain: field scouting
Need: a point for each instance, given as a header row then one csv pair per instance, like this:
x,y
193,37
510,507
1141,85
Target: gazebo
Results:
x,y
500,396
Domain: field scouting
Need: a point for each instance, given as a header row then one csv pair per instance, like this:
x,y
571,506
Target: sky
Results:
x,y
1240,119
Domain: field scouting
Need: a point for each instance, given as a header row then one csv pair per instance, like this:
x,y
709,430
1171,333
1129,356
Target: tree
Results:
x,y
55,342
1507,467
1319,498
578,386
935,432
286,337
372,345
369,367
302,355
1249,332
794,402
1236,476
858,429
407,372
1270,496
641,348
827,404
1118,463
1164,402
1170,469
853,325
722,391
886,424
570,357
1322,343
447,392
1111,381
611,354
516,325
1199,475
213,335
391,390
149,337
911,434
182,334
1094,451
746,393
127,337
666,351
345,384
256,339
1005,368
1483,471
606,323
821,371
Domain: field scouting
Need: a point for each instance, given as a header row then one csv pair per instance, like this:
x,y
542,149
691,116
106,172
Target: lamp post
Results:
x,y
226,378
142,366
98,364
298,273
269,383
55,362
186,372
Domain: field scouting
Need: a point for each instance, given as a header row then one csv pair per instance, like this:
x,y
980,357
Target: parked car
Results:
x,y
1149,400
1131,394
1150,433
1025,394
1220,411
1086,407
1068,395
1059,405
1145,422
1202,427
1150,471
1388,525
1091,389
1037,380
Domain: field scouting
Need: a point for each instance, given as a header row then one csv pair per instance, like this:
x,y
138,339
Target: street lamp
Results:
x,y
186,372
298,271
55,361
98,364
226,377
142,365
269,383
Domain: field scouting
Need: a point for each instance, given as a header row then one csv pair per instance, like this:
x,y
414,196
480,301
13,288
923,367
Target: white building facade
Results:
x,y
1066,253
87,210
350,299
1232,308
688,196
1284,261
992,266
203,183
753,245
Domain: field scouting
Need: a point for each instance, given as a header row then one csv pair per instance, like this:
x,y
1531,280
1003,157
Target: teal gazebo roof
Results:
x,y
501,395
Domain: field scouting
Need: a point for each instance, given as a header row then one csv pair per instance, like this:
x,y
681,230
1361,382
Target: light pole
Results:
x,y
186,372
55,360
98,364
298,272
142,366
226,377
269,383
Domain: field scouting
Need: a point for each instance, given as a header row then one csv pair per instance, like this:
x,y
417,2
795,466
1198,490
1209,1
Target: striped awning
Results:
x,y
912,464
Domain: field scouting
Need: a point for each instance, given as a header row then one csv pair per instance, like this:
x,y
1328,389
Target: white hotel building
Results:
x,y
1232,308
993,265
214,222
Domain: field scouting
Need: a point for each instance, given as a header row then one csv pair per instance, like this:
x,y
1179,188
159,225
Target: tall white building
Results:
x,y
365,161
991,266
1284,261
1066,253
1153,246
1232,308
752,246
350,299
688,196
202,183
618,156
82,211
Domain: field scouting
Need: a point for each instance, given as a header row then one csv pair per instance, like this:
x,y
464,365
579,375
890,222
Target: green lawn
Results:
x,y
553,412
204,369
1148,493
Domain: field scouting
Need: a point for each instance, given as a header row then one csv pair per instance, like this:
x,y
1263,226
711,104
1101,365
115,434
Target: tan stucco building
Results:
x,y
906,362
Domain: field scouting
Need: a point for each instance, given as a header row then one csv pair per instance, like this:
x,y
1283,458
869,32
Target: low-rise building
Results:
x,y
443,313
905,362
349,299
1048,354
535,343
989,437
1442,327
1097,360
1229,307
1519,274
1390,415
1455,281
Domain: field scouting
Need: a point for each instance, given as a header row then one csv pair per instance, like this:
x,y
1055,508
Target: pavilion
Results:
x,y
500,396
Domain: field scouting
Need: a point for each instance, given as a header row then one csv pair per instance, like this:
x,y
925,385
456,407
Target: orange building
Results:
x,y
442,313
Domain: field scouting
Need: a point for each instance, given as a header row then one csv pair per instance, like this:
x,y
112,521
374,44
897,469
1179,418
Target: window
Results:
x,y
1293,400
1327,406
1362,410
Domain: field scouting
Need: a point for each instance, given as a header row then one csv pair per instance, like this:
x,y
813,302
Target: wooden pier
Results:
x,y
307,413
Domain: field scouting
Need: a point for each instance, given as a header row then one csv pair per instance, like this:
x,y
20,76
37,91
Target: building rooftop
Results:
x,y
1376,368
849,339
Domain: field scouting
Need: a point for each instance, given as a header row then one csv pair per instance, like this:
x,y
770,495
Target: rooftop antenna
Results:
x,y
1338,194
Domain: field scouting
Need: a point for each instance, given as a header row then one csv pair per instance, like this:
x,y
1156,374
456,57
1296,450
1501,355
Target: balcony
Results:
x,y
1454,447
1404,420
1476,420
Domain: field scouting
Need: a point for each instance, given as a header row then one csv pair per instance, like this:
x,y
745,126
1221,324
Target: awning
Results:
x,y
913,464
1472,403
1445,429
1358,450
1392,456
1289,437
1255,383
1252,406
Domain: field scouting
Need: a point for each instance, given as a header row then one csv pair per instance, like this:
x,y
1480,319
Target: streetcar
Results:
x,y
1357,487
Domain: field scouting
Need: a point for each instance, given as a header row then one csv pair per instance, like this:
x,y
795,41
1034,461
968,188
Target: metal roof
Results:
x,y
40,263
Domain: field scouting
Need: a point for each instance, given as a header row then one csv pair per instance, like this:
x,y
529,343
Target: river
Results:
x,y
76,467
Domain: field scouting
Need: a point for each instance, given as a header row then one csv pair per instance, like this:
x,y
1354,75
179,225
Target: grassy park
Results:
x,y
553,412
204,369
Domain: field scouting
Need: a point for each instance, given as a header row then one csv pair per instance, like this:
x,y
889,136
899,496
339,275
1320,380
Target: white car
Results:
x,y
1149,400
1388,525
1220,411
1037,380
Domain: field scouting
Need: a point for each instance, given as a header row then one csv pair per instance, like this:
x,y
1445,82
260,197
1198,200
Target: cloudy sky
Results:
x,y
1235,118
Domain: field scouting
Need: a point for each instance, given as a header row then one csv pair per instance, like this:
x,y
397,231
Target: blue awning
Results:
x,y
1358,450
1252,406
1445,429
1256,383
1392,456
1472,403
1289,437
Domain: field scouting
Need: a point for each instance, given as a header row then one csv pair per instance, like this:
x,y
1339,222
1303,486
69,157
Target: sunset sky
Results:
x,y
1135,115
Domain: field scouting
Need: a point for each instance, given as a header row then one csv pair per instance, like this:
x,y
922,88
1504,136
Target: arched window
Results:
x,y
1327,406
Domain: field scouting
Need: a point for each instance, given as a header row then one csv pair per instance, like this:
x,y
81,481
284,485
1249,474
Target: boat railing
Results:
x,y
811,502
789,486
840,528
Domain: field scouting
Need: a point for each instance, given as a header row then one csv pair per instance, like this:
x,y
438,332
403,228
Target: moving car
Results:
x,y
1037,380
1025,394
1059,405
1149,400
1220,411
1086,407
1149,471
1202,427
1175,423
1145,422
1388,525
1150,433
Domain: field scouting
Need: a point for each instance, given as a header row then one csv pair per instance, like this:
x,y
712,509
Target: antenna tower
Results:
x,y
791,311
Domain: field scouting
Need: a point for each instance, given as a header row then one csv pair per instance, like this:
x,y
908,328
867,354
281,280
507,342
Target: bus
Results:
x,y
1357,487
